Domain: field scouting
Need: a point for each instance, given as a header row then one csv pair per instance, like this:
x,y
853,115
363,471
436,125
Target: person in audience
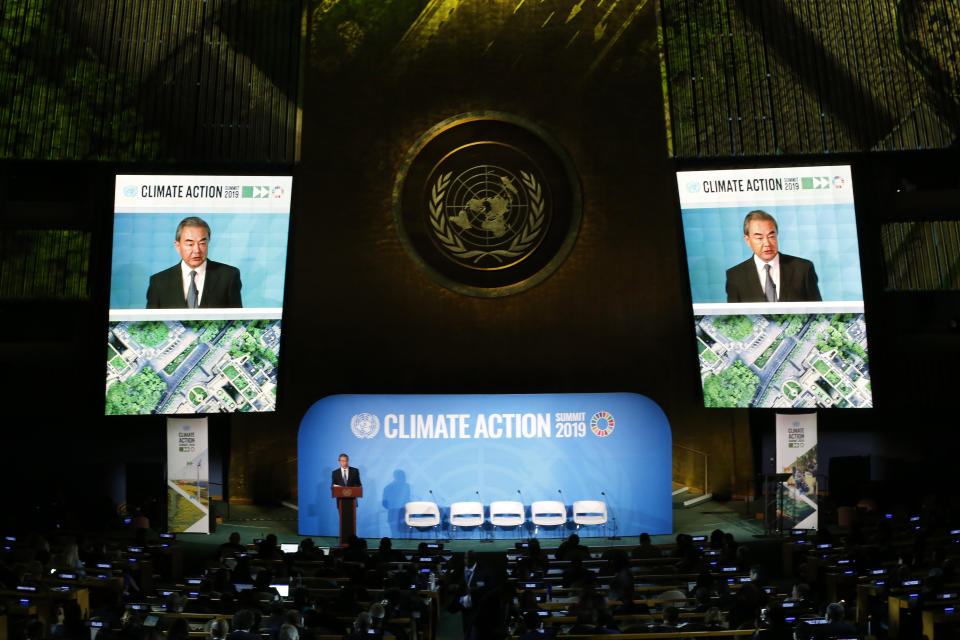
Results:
x,y
533,628
576,574
745,608
386,553
175,603
178,630
571,548
591,611
673,596
835,625
356,551
322,620
241,573
243,624
231,547
716,539
308,551
269,549
288,632
70,622
670,622
361,626
712,621
272,623
533,561
218,629
262,585
772,625
800,594
628,604
468,587
34,630
646,550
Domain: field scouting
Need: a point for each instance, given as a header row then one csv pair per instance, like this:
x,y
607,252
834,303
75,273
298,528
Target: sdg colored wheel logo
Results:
x,y
601,424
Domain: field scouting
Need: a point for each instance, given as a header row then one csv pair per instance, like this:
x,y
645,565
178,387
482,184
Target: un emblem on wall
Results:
x,y
487,204
365,425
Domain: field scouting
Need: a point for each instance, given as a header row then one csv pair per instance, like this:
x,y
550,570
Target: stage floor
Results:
x,y
256,521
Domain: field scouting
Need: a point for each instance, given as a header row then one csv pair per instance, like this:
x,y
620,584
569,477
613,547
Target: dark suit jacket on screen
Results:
x,y
221,288
353,477
798,281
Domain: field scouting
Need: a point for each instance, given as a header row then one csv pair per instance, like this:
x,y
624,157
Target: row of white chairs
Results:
x,y
506,513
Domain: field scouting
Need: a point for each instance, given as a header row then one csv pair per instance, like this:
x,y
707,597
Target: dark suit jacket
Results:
x,y
221,288
353,477
798,281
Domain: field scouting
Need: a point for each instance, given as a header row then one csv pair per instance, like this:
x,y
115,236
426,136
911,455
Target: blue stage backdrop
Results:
x,y
485,448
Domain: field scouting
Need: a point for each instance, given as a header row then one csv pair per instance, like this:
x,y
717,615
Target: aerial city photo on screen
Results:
x,y
211,366
791,360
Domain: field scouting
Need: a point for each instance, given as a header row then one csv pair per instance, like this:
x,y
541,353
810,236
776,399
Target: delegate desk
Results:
x,y
43,601
947,623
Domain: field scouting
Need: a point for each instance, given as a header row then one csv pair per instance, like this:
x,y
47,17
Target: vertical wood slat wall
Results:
x,y
921,255
154,80
771,77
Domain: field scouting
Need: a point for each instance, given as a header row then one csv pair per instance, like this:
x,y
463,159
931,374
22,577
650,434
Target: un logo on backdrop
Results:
x,y
487,204
365,425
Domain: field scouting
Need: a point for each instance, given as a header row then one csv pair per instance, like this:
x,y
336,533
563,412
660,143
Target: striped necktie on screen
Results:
x,y
192,291
770,289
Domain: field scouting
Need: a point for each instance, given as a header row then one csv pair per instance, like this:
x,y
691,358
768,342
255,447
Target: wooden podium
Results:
x,y
347,508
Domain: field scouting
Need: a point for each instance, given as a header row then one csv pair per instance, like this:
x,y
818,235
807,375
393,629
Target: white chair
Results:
x,y
547,513
466,514
507,513
421,514
589,513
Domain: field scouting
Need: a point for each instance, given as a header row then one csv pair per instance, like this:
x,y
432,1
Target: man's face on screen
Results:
x,y
344,461
762,239
192,245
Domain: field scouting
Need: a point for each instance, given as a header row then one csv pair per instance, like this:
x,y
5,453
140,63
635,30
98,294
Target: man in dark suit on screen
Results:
x,y
768,275
195,282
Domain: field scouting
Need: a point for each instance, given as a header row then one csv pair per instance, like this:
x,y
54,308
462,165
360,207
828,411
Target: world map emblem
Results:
x,y
486,216
365,425
487,204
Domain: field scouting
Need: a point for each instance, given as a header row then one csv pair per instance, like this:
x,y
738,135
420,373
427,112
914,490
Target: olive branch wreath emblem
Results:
x,y
521,242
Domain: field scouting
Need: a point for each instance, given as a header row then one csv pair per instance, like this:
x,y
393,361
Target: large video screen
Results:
x,y
196,293
774,268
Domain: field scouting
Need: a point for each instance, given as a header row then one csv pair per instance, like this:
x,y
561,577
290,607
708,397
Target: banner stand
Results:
x,y
796,442
188,475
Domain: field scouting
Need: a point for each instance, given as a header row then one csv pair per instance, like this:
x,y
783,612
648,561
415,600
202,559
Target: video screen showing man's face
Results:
x,y
774,266
199,346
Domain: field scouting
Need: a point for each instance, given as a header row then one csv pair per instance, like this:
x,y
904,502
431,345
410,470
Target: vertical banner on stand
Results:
x,y
797,455
188,491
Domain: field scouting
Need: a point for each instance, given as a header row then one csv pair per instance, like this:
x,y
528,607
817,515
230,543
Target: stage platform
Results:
x,y
256,521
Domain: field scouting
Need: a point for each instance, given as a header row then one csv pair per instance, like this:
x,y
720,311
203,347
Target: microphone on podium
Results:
x,y
483,538
612,516
439,539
